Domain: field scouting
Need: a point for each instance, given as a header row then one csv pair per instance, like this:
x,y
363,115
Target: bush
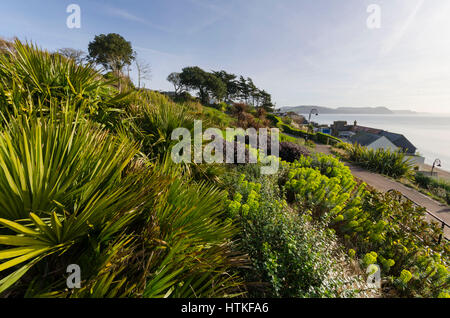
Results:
x,y
295,132
222,106
322,185
289,257
31,76
286,128
286,138
437,187
290,151
378,227
64,183
287,120
73,192
327,139
275,120
392,163
153,121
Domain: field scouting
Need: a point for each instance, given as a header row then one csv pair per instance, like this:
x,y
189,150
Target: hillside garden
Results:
x,y
86,178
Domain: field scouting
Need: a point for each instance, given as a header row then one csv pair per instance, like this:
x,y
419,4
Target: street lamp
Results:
x,y
309,118
311,112
436,163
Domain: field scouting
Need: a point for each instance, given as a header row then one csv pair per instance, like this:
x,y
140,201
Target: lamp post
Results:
x,y
436,163
309,118
311,112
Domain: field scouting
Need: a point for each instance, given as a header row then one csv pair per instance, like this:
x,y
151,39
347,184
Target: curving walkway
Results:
x,y
384,184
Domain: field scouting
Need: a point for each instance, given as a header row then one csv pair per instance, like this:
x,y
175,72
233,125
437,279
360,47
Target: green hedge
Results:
x,y
319,137
296,132
276,121
327,139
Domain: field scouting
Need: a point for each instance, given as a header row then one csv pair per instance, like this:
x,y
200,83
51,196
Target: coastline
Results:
x,y
430,133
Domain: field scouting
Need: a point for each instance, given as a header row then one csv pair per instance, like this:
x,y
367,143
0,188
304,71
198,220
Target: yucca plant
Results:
x,y
198,261
29,74
154,119
63,190
72,192
384,161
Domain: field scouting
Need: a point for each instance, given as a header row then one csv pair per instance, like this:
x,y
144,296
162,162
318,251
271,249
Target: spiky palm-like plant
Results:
x,y
62,185
392,163
30,76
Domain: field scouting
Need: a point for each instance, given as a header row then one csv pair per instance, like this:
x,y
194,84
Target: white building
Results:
x,y
378,141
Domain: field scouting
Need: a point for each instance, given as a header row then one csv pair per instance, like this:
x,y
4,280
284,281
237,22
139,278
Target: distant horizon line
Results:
x,y
368,107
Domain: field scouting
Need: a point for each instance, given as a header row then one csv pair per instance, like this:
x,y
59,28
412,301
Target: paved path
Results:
x,y
385,184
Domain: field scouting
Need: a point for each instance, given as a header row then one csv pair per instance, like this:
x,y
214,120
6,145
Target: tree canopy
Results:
x,y
220,85
175,79
207,84
112,51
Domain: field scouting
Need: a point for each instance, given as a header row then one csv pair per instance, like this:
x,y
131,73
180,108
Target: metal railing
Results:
x,y
443,223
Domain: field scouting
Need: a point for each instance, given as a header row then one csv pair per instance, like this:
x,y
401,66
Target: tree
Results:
x,y
112,51
175,79
143,70
257,98
267,103
207,84
252,90
232,87
244,92
78,56
216,87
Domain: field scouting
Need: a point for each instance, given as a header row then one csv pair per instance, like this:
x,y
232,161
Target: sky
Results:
x,y
303,52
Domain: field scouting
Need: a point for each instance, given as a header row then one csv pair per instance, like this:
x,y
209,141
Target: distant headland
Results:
x,y
346,110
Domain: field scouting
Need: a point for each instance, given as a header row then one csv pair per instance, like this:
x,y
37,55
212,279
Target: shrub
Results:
x,y
153,121
31,77
193,250
287,120
63,192
321,185
379,227
72,193
437,187
275,120
295,132
327,139
290,151
286,138
289,257
392,163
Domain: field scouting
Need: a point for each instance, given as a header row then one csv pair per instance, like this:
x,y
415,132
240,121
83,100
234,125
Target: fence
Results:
x,y
443,223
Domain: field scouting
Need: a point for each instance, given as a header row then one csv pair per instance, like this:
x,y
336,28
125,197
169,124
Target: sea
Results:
x,y
430,133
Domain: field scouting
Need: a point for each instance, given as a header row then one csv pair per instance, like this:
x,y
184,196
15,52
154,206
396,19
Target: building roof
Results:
x,y
364,138
400,141
366,135
370,130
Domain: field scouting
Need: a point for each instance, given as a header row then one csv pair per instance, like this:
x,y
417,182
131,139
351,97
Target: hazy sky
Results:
x,y
310,52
